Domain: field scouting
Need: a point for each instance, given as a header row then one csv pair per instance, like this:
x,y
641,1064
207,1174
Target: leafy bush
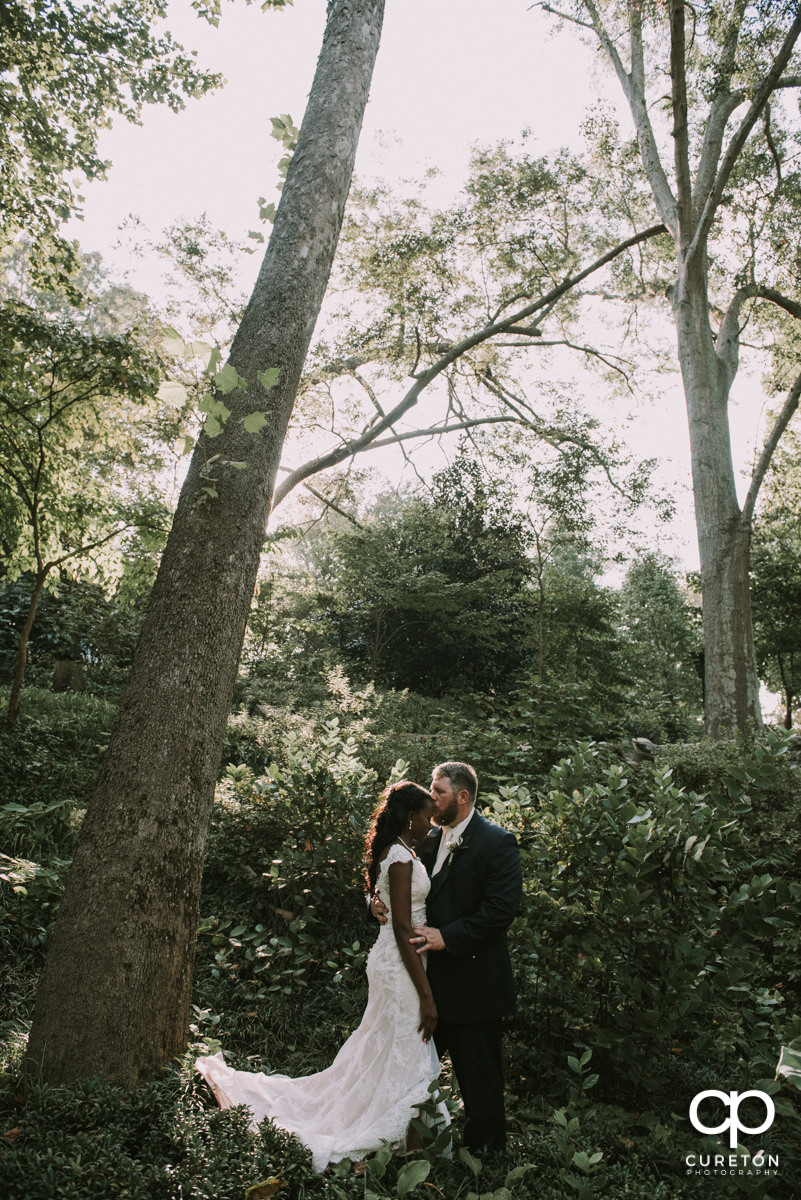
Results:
x,y
52,757
644,923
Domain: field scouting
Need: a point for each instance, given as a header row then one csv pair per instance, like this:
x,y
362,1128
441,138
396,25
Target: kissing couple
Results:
x,y
445,884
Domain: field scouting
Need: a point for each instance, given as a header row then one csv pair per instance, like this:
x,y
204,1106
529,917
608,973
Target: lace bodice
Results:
x,y
420,882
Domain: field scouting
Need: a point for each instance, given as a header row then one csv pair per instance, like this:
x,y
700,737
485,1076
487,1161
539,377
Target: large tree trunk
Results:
x,y
114,1000
731,685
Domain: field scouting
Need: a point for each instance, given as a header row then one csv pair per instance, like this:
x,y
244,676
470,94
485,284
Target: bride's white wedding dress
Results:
x,y
368,1094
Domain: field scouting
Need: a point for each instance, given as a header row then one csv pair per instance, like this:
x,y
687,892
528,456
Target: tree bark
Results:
x,y
114,1000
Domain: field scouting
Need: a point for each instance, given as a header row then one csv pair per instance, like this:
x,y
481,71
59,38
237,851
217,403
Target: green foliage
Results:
x,y
77,621
656,952
82,442
776,577
645,913
65,70
661,632
53,755
430,594
69,406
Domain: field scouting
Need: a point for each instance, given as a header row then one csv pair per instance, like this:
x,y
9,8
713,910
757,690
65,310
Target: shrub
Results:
x,y
644,924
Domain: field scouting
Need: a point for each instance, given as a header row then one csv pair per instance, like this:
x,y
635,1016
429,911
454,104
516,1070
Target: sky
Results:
x,y
450,75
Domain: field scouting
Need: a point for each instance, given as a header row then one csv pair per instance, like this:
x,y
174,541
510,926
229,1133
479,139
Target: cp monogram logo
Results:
x,y
732,1100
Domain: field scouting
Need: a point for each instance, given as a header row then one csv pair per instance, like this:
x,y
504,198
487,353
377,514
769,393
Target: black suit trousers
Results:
x,y
475,1052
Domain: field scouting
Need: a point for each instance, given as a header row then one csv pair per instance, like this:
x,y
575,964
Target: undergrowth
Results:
x,y
656,955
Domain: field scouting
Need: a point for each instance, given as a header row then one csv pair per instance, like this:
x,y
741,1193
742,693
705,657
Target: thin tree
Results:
x,y
68,399
114,1000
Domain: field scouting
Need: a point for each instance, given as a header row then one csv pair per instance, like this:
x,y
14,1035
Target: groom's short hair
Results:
x,y
462,776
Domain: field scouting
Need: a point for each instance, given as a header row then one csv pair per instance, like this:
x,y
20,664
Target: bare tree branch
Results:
x,y
544,303
681,140
333,506
788,409
633,85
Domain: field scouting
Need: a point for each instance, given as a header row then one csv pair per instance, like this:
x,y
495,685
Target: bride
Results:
x,y
369,1093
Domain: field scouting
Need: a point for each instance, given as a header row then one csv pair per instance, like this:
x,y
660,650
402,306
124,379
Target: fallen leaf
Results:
x,y
265,1189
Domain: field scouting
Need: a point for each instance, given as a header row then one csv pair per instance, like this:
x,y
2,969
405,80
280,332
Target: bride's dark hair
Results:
x,y
389,820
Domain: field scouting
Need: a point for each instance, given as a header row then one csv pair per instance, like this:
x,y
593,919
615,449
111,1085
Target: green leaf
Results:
x,y
411,1175
210,404
516,1174
227,379
172,341
214,358
474,1164
269,378
254,422
212,427
790,1065
201,350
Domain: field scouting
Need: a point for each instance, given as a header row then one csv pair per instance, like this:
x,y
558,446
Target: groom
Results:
x,y
476,890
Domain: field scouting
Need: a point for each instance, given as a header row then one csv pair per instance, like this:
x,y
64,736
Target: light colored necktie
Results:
x,y
442,853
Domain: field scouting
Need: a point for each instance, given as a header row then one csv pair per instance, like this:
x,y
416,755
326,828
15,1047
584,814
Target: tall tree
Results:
x,y
431,592
716,156
661,633
114,1000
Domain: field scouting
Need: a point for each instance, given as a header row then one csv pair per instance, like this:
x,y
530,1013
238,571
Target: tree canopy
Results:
x,y
66,69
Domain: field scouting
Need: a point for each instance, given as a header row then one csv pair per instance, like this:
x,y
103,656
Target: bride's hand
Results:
x,y
428,1017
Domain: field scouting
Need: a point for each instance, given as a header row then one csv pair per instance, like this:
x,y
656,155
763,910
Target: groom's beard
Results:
x,y
448,814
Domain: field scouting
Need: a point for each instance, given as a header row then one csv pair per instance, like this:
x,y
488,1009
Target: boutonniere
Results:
x,y
456,847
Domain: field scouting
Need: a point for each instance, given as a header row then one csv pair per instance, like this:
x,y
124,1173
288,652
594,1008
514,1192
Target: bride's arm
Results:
x,y
400,903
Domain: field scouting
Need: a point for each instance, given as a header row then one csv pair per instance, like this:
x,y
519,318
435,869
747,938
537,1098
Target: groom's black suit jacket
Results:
x,y
473,899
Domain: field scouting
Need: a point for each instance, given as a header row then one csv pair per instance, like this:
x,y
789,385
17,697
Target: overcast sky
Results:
x,y
450,74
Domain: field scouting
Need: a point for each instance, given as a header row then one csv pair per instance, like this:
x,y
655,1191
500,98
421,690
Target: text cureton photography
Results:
x,y
735,1162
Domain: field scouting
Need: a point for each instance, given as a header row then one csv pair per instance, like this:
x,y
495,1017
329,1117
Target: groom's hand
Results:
x,y
379,909
426,938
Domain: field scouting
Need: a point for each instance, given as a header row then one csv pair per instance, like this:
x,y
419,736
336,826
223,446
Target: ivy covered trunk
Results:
x,y
114,1000
731,685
